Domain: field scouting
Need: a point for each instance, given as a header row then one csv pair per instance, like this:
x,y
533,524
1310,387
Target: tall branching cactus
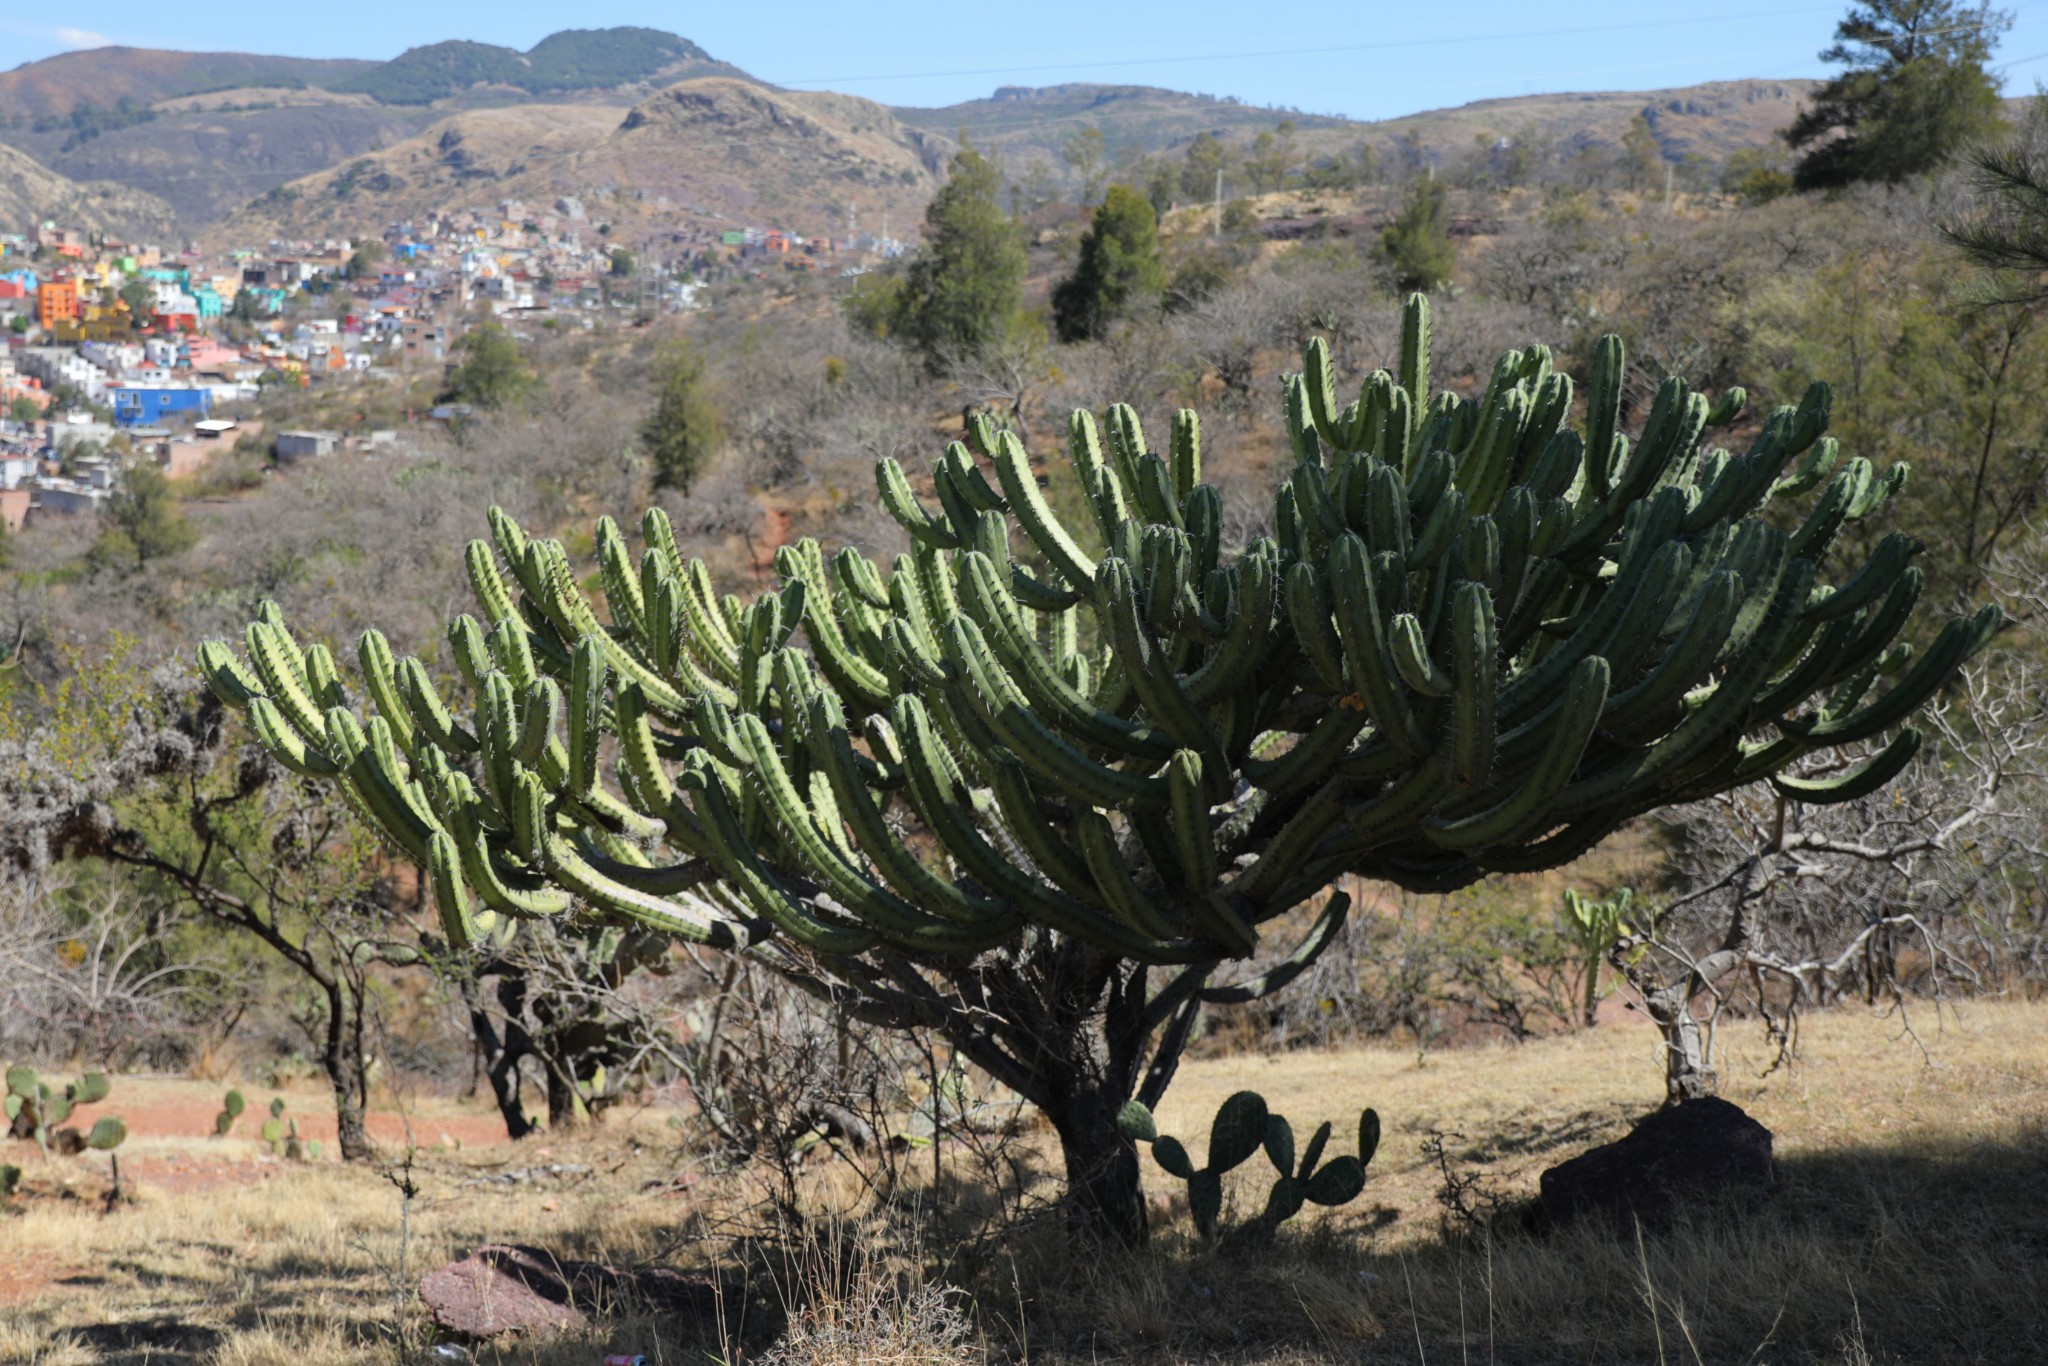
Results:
x,y
990,786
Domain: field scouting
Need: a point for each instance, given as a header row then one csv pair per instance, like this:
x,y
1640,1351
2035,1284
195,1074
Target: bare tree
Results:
x,y
1893,897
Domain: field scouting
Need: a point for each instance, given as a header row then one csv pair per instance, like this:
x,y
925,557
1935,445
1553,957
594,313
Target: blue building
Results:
x,y
146,405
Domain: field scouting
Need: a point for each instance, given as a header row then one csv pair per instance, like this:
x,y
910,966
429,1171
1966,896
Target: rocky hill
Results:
x,y
574,60
107,77
1023,126
282,141
700,156
31,193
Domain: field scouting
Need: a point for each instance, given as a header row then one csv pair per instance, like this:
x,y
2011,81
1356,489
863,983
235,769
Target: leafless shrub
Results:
x,y
1928,885
93,983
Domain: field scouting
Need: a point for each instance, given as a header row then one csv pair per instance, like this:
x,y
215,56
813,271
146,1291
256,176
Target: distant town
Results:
x,y
120,352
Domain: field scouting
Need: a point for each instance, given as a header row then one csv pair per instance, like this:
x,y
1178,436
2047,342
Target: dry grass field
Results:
x,y
1910,1224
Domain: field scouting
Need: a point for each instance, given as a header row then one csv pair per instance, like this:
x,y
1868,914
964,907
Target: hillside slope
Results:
x,y
207,156
102,77
713,152
31,193
1708,121
1030,125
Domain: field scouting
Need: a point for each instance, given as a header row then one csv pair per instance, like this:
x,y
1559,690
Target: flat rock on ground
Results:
x,y
1696,1152
501,1289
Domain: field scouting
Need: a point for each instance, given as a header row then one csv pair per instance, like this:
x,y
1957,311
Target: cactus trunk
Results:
x,y
1105,1201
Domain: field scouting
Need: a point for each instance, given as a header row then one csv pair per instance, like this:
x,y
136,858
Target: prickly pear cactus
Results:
x,y
1244,1126
1477,640
231,1109
35,1110
10,1179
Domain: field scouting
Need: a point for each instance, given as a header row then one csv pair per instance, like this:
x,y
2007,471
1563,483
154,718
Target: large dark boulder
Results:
x,y
1699,1152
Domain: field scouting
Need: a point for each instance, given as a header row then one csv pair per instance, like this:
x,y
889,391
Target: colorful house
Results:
x,y
146,405
56,302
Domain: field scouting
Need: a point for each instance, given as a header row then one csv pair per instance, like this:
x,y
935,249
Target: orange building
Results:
x,y
56,302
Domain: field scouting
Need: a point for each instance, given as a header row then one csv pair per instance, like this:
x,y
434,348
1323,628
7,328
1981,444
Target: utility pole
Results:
x,y
1670,172
1217,224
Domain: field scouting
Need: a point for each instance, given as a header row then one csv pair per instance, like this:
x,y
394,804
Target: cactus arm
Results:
x,y
995,698
277,663
1311,625
285,743
1049,846
1020,488
1367,654
1115,888
897,865
882,910
901,503
1413,370
1143,662
1320,936
1234,658
430,715
1884,567
1412,661
1047,691
1854,786
1474,682
1958,641
1713,718
1585,695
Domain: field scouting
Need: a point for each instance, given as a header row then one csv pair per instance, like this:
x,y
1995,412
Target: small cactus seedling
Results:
x,y
1243,1126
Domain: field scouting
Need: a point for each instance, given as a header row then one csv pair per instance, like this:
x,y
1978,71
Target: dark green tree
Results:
x,y
364,260
1913,90
1119,267
23,409
622,261
139,297
492,372
1207,156
142,522
1418,242
967,284
1642,160
685,429
2002,225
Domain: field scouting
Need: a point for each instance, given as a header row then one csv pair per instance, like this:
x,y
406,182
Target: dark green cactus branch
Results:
x,y
1477,640
1491,627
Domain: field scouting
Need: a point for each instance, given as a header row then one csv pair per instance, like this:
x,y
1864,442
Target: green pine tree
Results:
x,y
492,373
685,429
1914,89
1119,267
142,522
967,284
1418,242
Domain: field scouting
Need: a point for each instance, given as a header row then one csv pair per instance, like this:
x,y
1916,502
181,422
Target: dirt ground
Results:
x,y
1910,1223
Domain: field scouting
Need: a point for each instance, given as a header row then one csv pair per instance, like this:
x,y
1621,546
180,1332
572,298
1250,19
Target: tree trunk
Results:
x,y
348,1074
1686,1073
1106,1200
501,1053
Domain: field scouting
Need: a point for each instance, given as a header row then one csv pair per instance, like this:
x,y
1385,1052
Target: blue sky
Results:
x,y
1365,60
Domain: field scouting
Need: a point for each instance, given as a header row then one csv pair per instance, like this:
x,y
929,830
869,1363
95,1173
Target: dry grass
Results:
x,y
1911,1225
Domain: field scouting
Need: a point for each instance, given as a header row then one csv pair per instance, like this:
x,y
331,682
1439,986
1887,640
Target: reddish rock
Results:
x,y
501,1289
498,1290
